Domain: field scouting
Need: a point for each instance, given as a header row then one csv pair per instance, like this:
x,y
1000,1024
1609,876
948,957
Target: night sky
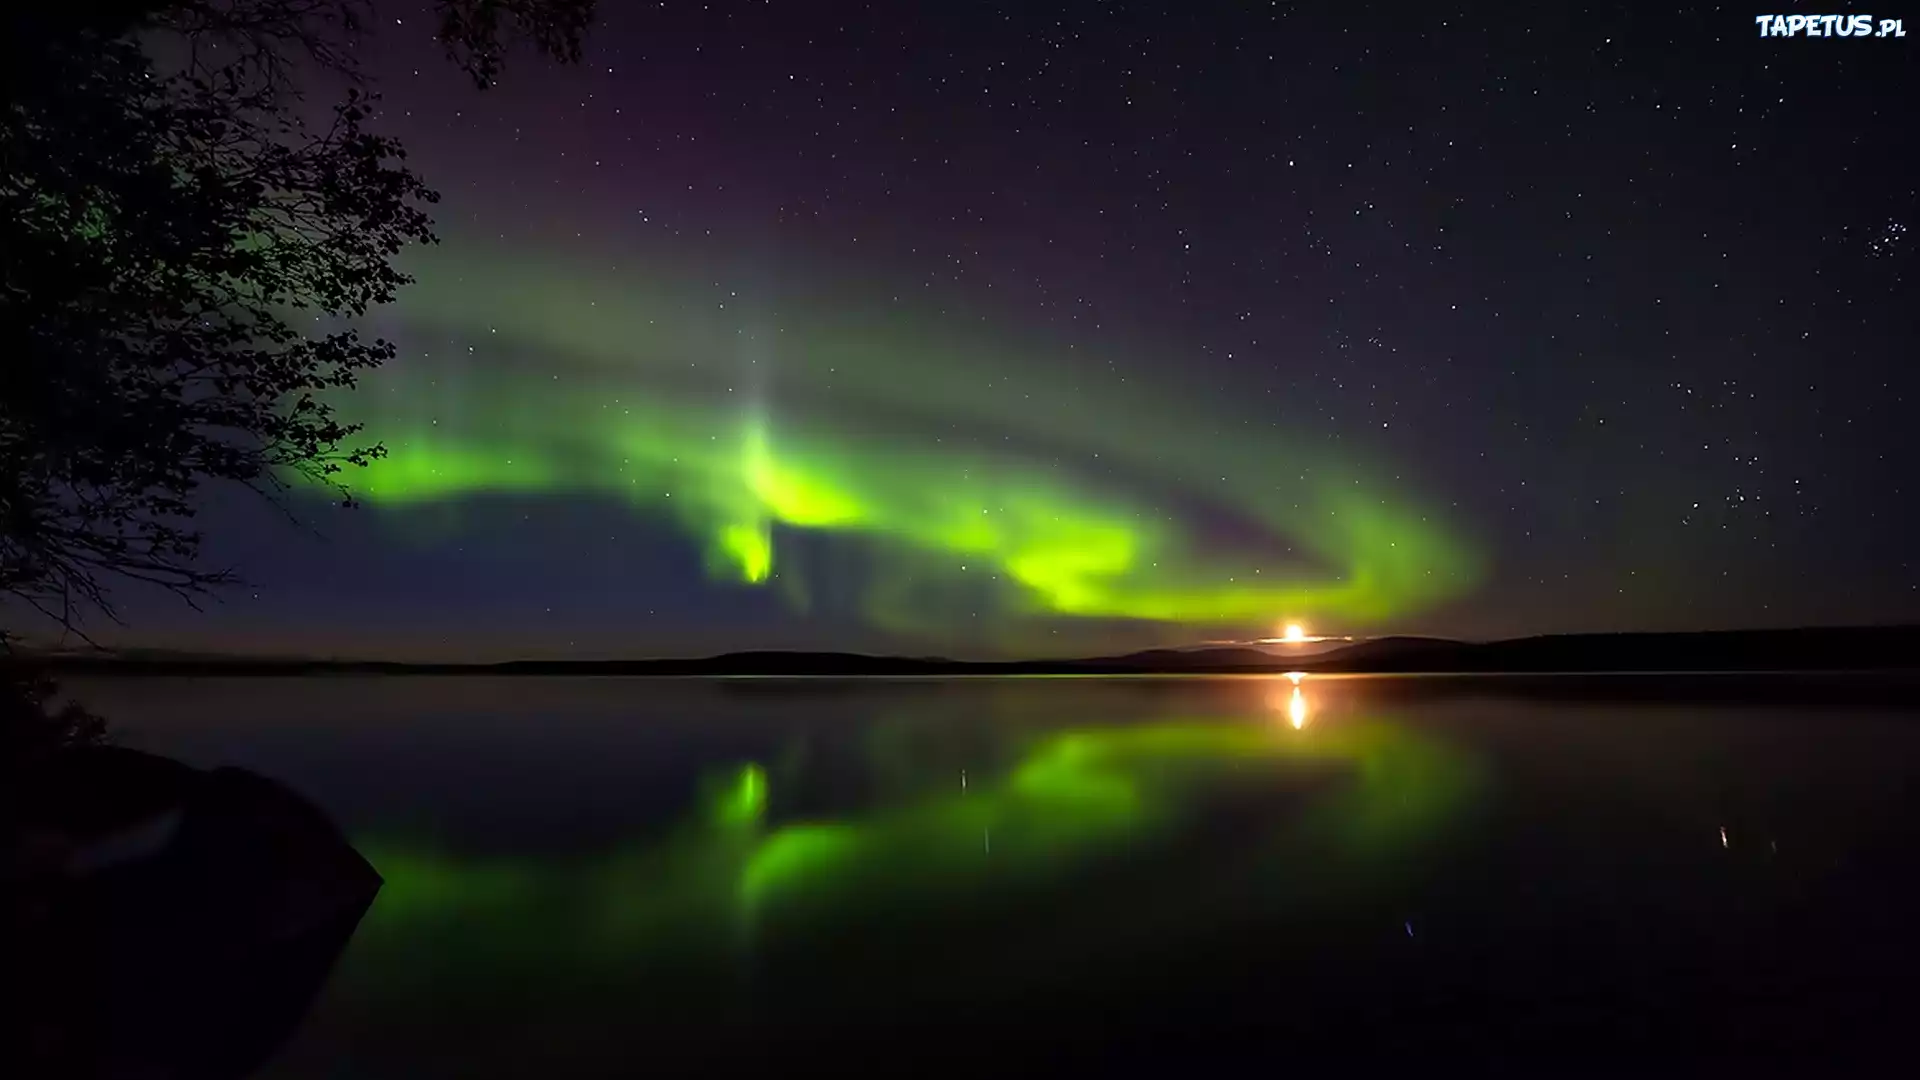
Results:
x,y
1383,320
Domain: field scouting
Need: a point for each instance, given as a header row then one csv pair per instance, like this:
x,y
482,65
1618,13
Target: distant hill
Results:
x,y
1187,659
1812,649
1809,649
1389,651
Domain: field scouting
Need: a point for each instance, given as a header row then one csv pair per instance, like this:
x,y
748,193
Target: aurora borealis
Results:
x,y
895,433
1428,489
1060,332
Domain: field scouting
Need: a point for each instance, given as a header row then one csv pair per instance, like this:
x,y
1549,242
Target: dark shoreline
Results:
x,y
1836,650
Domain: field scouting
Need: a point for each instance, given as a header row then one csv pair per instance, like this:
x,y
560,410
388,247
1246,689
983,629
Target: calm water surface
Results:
x,y
607,877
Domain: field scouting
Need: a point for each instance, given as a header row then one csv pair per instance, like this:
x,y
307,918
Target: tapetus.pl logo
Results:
x,y
1828,26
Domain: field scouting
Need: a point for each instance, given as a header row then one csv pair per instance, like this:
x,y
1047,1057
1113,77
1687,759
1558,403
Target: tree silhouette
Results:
x,y
183,254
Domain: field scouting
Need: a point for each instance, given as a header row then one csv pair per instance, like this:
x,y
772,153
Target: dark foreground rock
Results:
x,y
164,921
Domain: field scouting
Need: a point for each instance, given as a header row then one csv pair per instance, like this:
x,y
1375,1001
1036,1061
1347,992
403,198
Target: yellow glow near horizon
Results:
x,y
1294,634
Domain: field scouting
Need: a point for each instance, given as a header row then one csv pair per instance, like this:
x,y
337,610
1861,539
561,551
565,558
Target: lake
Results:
x,y
617,877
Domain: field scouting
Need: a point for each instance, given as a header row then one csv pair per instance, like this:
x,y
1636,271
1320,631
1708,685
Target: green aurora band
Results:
x,y
1025,484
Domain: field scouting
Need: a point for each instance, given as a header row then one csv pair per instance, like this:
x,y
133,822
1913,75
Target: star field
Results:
x,y
1628,294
